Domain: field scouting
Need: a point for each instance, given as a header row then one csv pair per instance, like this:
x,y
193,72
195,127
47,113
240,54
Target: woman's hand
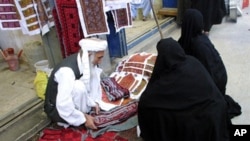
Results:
x,y
90,122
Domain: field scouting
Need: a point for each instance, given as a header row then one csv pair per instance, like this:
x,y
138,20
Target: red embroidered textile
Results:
x,y
127,81
69,25
59,32
139,63
93,17
115,115
136,83
122,17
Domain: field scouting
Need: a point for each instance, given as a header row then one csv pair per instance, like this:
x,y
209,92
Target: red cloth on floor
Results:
x,y
76,134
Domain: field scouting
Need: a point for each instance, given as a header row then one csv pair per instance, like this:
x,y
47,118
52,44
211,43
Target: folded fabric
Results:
x,y
139,63
113,90
115,115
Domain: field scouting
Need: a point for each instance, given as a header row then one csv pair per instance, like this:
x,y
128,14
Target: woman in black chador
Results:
x,y
181,101
197,44
213,12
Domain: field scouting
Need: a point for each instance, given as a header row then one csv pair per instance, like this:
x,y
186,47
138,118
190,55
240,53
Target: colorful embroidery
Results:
x,y
68,25
115,115
92,17
9,17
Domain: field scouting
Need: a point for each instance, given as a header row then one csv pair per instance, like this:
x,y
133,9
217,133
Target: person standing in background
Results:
x,y
144,4
213,12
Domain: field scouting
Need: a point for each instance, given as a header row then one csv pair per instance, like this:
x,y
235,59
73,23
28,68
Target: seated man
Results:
x,y
144,4
74,86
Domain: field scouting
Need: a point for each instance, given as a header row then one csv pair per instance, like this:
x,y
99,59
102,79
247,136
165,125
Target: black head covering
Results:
x,y
192,26
181,101
176,78
200,46
213,11
168,57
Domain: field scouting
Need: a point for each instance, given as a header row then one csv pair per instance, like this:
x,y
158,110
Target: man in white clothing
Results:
x,y
74,86
144,4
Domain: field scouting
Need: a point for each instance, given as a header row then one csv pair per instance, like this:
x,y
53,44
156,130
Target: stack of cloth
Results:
x,y
134,72
129,79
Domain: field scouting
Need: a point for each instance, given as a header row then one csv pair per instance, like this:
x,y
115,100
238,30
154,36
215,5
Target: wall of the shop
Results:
x,y
17,40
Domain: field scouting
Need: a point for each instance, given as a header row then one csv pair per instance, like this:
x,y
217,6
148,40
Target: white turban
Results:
x,y
93,44
90,44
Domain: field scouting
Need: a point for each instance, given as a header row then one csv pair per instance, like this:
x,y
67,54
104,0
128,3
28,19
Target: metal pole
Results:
x,y
159,28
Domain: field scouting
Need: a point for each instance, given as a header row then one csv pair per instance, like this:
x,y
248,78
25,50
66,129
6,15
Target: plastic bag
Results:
x,y
40,82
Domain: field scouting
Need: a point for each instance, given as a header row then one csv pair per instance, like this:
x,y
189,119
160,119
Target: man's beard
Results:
x,y
91,64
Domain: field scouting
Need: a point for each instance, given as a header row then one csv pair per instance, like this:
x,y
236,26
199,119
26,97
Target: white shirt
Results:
x,y
73,98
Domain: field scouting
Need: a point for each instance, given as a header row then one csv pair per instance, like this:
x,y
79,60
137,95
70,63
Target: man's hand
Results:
x,y
89,122
96,108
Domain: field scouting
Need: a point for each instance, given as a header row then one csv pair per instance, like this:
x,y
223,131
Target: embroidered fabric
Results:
x,y
139,63
113,90
115,115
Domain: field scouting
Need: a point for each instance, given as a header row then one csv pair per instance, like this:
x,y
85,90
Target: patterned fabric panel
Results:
x,y
35,16
9,17
134,82
115,115
140,63
92,17
69,26
122,17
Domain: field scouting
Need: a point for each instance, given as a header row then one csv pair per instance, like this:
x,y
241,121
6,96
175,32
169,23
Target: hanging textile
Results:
x,y
44,15
77,19
30,16
92,16
29,21
68,26
122,17
121,13
9,18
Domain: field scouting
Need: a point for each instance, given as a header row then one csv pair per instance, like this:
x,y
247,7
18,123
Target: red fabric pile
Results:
x,y
76,134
